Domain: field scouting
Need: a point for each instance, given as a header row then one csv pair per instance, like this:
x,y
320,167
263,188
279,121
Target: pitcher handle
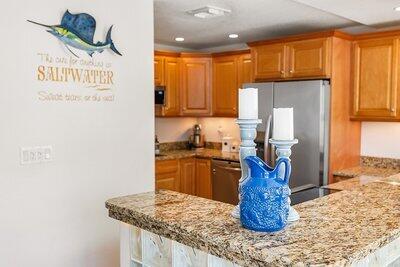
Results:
x,y
287,170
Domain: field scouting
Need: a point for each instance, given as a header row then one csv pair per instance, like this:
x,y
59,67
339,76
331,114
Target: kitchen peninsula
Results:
x,y
359,227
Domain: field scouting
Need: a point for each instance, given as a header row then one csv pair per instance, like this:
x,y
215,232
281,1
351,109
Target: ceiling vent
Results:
x,y
209,12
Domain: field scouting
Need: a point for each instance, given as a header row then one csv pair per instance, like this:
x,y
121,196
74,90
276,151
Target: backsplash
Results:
x,y
181,145
388,163
179,129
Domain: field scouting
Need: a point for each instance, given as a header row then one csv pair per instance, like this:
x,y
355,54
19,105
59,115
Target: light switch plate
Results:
x,y
38,154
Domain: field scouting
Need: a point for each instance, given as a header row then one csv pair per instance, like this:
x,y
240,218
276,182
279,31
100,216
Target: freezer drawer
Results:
x,y
225,181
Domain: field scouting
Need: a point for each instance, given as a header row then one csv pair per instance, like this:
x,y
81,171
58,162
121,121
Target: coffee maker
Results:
x,y
196,140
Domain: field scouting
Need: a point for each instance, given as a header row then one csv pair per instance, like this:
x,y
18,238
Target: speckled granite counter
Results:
x,y
366,170
201,153
340,229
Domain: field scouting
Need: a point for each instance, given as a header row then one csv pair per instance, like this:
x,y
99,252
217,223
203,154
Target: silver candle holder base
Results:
x,y
248,133
284,150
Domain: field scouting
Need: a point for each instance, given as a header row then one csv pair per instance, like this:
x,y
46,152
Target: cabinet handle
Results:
x,y
282,72
291,71
392,110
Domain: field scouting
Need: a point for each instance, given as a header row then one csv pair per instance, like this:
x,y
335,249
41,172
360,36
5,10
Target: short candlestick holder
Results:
x,y
248,132
284,150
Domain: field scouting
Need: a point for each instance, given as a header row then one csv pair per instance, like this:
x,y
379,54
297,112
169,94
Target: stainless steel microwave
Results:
x,y
159,95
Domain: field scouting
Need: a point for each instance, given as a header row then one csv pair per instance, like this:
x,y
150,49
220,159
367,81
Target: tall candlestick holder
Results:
x,y
284,150
248,132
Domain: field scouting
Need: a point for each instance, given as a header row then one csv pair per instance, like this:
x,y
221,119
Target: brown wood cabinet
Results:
x,y
167,73
229,74
309,58
196,86
269,61
172,85
225,85
167,175
188,176
158,70
203,178
245,69
376,79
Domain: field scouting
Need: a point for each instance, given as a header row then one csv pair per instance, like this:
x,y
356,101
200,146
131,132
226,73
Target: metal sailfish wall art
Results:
x,y
77,30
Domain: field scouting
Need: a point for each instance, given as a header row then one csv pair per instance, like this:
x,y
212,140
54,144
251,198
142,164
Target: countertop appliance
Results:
x,y
196,140
225,183
310,102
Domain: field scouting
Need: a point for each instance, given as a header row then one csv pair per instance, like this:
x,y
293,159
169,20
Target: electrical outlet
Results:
x,y
30,155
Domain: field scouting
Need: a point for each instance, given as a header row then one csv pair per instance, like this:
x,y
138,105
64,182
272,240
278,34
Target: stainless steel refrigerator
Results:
x,y
310,102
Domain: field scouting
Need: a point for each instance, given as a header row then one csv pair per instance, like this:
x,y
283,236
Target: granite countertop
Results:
x,y
200,153
338,229
366,170
352,183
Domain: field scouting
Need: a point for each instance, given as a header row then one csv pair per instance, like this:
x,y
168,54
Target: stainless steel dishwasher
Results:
x,y
225,180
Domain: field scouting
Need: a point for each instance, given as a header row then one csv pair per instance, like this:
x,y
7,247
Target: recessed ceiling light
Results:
x,y
179,39
233,35
397,8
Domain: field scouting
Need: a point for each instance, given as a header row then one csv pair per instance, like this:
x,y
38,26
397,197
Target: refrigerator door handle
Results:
x,y
268,156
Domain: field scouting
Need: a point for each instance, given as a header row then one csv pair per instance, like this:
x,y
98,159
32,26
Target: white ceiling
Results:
x,y
261,19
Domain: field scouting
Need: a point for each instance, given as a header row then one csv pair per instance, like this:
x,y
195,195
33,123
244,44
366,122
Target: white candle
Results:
x,y
283,124
248,103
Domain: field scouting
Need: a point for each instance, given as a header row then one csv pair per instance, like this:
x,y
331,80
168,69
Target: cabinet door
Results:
x,y
375,81
203,178
188,176
167,175
225,91
172,86
245,70
269,61
309,58
196,86
158,70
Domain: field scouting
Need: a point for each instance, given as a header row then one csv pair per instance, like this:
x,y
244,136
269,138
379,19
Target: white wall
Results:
x,y
53,214
211,127
179,129
380,139
174,129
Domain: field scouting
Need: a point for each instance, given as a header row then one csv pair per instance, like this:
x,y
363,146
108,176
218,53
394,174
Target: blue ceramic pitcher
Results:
x,y
264,196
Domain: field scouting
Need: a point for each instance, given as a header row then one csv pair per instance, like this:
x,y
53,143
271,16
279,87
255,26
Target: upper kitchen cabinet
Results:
x,y
196,86
375,79
225,85
269,61
230,71
172,87
245,69
167,74
309,58
306,56
158,70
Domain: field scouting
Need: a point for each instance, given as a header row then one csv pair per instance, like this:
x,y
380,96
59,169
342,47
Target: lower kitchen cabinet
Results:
x,y
188,176
167,175
203,178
